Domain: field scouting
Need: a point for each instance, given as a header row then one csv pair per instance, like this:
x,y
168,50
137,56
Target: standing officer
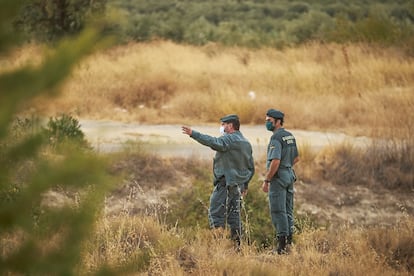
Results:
x,y
233,168
282,154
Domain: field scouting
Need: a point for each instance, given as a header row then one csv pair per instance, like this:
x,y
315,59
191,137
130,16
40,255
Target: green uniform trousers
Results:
x,y
225,204
281,202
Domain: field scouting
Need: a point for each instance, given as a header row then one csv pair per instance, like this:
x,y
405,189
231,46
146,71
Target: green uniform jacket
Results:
x,y
282,146
233,159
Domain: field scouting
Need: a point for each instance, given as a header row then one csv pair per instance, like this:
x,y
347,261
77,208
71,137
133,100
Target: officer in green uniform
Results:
x,y
282,154
233,168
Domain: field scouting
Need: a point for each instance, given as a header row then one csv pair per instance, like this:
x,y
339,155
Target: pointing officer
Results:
x,y
233,168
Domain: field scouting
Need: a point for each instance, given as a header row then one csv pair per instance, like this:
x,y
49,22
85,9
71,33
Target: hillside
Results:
x,y
129,196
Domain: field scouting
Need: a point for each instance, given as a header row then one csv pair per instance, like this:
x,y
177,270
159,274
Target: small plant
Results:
x,y
63,129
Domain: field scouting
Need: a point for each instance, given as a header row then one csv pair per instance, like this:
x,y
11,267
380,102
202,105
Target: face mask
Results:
x,y
270,126
222,130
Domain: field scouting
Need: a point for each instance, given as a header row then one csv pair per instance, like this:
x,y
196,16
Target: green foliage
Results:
x,y
200,32
20,129
63,129
50,19
256,217
311,26
48,203
8,12
267,23
190,210
191,205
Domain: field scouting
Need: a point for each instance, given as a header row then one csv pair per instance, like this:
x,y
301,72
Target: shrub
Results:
x,y
388,165
65,129
190,209
394,244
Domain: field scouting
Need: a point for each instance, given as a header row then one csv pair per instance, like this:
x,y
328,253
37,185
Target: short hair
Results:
x,y
236,124
281,120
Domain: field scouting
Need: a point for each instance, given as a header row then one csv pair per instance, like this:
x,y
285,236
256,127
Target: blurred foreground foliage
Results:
x,y
48,20
42,234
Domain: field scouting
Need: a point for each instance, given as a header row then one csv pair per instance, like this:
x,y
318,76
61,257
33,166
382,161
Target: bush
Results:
x,y
384,165
65,129
311,26
190,209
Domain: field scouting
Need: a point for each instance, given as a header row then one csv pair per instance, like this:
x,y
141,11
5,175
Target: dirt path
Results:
x,y
167,140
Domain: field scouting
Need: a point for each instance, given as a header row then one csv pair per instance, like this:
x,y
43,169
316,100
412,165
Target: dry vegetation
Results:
x,y
135,228
355,88
152,249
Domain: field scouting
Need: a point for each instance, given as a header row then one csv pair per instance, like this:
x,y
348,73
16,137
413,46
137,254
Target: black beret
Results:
x,y
228,118
275,113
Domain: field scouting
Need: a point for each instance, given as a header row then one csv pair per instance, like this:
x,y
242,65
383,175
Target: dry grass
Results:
x,y
355,87
151,248
351,88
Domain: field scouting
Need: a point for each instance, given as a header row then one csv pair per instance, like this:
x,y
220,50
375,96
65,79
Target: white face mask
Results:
x,y
222,130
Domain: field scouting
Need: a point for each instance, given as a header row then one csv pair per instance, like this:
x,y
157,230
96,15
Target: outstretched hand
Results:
x,y
187,130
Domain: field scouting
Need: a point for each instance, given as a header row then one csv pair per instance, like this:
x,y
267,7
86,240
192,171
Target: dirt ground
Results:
x,y
354,205
330,204
168,140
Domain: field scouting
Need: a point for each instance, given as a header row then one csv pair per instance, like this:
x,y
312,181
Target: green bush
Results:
x,y
65,129
42,229
200,32
311,26
190,210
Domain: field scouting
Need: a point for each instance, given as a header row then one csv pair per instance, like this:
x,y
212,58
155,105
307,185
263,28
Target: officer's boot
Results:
x,y
281,245
289,242
289,239
235,237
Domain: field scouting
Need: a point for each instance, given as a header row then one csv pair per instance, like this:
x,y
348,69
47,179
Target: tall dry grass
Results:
x,y
356,88
146,246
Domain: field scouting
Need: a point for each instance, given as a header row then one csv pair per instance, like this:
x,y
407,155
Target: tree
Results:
x,y
52,19
35,237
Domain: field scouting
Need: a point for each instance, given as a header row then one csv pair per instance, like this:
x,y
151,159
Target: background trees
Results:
x,y
52,19
268,23
250,23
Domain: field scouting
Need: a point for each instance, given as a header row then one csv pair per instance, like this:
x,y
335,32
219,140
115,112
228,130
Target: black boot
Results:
x,y
289,240
235,237
281,245
289,243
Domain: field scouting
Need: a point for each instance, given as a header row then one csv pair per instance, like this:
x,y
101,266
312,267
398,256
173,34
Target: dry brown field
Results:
x,y
360,90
